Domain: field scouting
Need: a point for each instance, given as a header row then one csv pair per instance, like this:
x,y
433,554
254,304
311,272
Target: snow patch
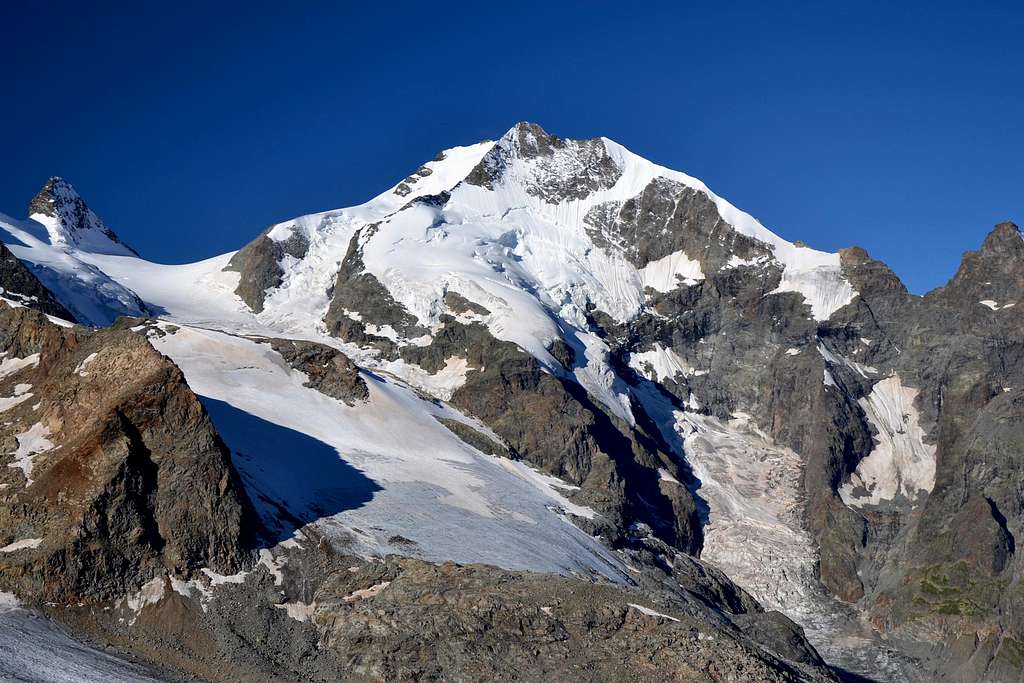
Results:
x,y
221,579
30,444
299,611
20,396
21,545
835,359
901,463
441,384
80,369
664,475
660,364
817,277
151,593
9,366
366,593
281,231
666,273
651,613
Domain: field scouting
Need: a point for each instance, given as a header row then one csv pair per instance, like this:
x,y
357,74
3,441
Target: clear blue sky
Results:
x,y
190,129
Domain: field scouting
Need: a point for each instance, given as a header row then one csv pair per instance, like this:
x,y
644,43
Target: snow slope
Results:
x,y
33,648
379,469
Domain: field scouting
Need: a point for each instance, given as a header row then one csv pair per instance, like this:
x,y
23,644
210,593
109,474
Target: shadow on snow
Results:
x,y
292,479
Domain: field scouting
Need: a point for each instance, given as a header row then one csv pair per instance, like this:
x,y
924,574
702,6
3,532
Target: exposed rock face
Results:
x,y
259,264
359,299
935,382
488,624
330,371
668,217
457,303
306,614
19,284
117,474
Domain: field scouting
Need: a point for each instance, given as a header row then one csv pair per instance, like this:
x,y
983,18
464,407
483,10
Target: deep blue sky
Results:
x,y
190,129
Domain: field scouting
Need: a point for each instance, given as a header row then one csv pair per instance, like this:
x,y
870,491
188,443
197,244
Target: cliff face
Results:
x,y
117,474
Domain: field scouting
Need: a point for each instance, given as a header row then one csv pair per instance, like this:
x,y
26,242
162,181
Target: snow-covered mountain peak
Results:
x,y
70,222
545,166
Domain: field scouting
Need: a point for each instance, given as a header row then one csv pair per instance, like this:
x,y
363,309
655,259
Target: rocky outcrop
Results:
x,y
308,613
359,299
482,623
19,284
329,371
115,473
941,564
405,187
259,264
669,217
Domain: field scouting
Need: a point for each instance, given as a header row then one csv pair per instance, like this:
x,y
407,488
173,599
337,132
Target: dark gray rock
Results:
x,y
330,371
667,217
19,284
259,264
457,303
357,291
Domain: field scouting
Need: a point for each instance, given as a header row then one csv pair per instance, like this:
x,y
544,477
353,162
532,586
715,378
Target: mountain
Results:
x,y
71,223
530,357
51,242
